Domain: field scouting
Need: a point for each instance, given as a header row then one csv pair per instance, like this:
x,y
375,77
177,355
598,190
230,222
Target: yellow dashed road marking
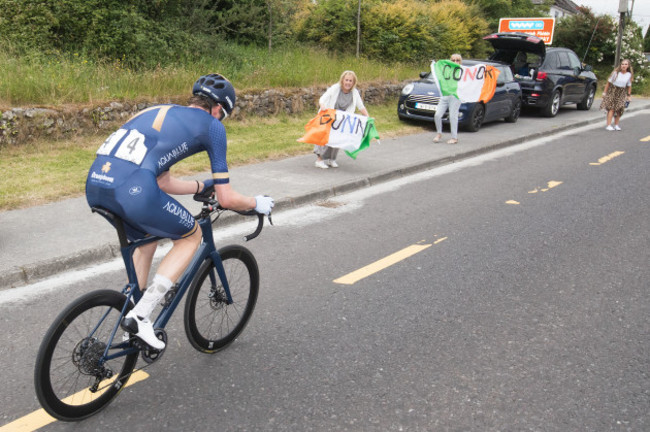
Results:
x,y
40,418
550,185
607,158
383,263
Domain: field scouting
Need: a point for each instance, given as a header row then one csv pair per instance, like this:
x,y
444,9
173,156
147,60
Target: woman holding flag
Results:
x,y
342,96
453,104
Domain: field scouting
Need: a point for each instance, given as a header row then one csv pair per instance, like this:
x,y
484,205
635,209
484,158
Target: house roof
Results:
x,y
566,5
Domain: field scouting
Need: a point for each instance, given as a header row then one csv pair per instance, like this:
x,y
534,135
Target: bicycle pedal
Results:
x,y
151,355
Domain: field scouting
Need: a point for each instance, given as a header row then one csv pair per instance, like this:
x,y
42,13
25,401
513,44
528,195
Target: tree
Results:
x,y
493,10
590,36
280,14
646,40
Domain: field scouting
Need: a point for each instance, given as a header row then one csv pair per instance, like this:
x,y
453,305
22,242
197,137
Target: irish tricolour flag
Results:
x,y
340,129
467,83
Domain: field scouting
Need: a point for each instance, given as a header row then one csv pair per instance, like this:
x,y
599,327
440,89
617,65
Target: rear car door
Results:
x,y
581,80
573,87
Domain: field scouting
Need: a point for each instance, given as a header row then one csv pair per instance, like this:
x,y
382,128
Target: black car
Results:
x,y
549,77
419,100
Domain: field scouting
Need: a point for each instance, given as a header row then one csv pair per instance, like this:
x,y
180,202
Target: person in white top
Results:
x,y
342,96
617,94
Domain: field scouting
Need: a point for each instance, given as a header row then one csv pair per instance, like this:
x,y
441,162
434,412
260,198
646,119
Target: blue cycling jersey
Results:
x,y
123,177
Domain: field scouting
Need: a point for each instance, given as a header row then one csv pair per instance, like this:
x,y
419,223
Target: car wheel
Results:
x,y
514,114
475,118
588,101
553,106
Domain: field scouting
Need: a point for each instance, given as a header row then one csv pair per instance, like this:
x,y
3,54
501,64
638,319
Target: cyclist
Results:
x,y
130,177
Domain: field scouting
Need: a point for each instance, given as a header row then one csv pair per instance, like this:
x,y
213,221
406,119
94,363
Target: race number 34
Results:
x,y
131,148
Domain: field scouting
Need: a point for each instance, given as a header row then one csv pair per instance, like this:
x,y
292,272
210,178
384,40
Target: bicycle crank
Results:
x,y
149,354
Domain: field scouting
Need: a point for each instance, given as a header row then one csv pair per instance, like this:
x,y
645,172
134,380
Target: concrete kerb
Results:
x,y
22,275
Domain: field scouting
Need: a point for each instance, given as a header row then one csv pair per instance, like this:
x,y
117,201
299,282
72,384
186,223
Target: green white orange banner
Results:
x,y
467,83
340,129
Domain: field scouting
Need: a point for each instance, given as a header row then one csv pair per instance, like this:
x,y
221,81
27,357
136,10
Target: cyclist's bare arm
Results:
x,y
226,195
231,199
175,186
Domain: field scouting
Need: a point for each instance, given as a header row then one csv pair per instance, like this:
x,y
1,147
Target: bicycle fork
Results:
x,y
218,264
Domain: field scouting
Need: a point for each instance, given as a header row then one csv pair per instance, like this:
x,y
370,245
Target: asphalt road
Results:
x,y
524,307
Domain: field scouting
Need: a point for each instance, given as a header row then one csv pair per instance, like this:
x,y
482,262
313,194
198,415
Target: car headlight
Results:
x,y
408,88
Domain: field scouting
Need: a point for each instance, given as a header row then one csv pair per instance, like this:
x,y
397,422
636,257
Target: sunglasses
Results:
x,y
224,112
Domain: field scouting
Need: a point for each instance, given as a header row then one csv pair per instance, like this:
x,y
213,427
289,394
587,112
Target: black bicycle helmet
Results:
x,y
218,89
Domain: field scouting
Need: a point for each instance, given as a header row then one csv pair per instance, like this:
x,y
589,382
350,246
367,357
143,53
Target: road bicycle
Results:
x,y
85,359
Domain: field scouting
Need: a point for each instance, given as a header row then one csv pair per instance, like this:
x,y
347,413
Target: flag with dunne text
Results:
x,y
340,129
467,83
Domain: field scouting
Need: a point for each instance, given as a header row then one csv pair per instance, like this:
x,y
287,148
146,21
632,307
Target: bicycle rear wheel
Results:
x,y
211,323
70,360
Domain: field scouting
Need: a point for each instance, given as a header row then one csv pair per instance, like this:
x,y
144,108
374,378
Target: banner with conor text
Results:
x,y
340,129
467,83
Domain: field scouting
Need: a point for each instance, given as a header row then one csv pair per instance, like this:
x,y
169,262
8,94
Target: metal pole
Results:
x,y
621,24
358,28
622,10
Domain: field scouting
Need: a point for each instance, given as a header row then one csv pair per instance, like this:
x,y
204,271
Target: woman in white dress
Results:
x,y
342,96
617,92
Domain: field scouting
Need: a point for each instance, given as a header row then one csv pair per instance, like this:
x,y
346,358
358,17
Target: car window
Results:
x,y
574,60
534,60
551,61
564,60
506,56
505,75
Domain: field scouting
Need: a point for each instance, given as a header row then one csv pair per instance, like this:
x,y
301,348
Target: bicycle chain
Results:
x,y
140,350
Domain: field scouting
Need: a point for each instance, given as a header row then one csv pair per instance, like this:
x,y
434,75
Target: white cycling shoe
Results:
x,y
142,328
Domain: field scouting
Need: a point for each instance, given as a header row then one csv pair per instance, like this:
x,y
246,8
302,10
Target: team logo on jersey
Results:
x,y
102,177
135,190
184,217
173,155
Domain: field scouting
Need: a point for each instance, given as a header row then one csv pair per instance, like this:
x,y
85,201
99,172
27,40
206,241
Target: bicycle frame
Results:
x,y
132,289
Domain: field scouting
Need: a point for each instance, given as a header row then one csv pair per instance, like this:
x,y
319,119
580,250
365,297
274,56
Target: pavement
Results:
x,y
44,240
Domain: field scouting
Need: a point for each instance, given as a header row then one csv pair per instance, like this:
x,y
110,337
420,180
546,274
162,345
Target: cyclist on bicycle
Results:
x,y
130,177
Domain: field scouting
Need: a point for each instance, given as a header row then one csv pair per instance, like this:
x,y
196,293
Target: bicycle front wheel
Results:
x,y
211,322
73,380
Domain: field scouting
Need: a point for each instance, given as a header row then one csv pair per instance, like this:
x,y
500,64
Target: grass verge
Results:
x,y
49,80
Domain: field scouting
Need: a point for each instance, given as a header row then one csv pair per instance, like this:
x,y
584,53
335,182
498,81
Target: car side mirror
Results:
x,y
588,68
423,74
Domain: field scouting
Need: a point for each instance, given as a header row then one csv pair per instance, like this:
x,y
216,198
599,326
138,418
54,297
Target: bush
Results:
x,y
577,31
406,30
632,49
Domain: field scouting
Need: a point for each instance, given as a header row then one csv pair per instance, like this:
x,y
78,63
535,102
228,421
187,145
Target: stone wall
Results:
x,y
20,125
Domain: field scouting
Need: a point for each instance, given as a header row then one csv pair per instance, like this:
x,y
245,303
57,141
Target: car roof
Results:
x,y
472,62
517,42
